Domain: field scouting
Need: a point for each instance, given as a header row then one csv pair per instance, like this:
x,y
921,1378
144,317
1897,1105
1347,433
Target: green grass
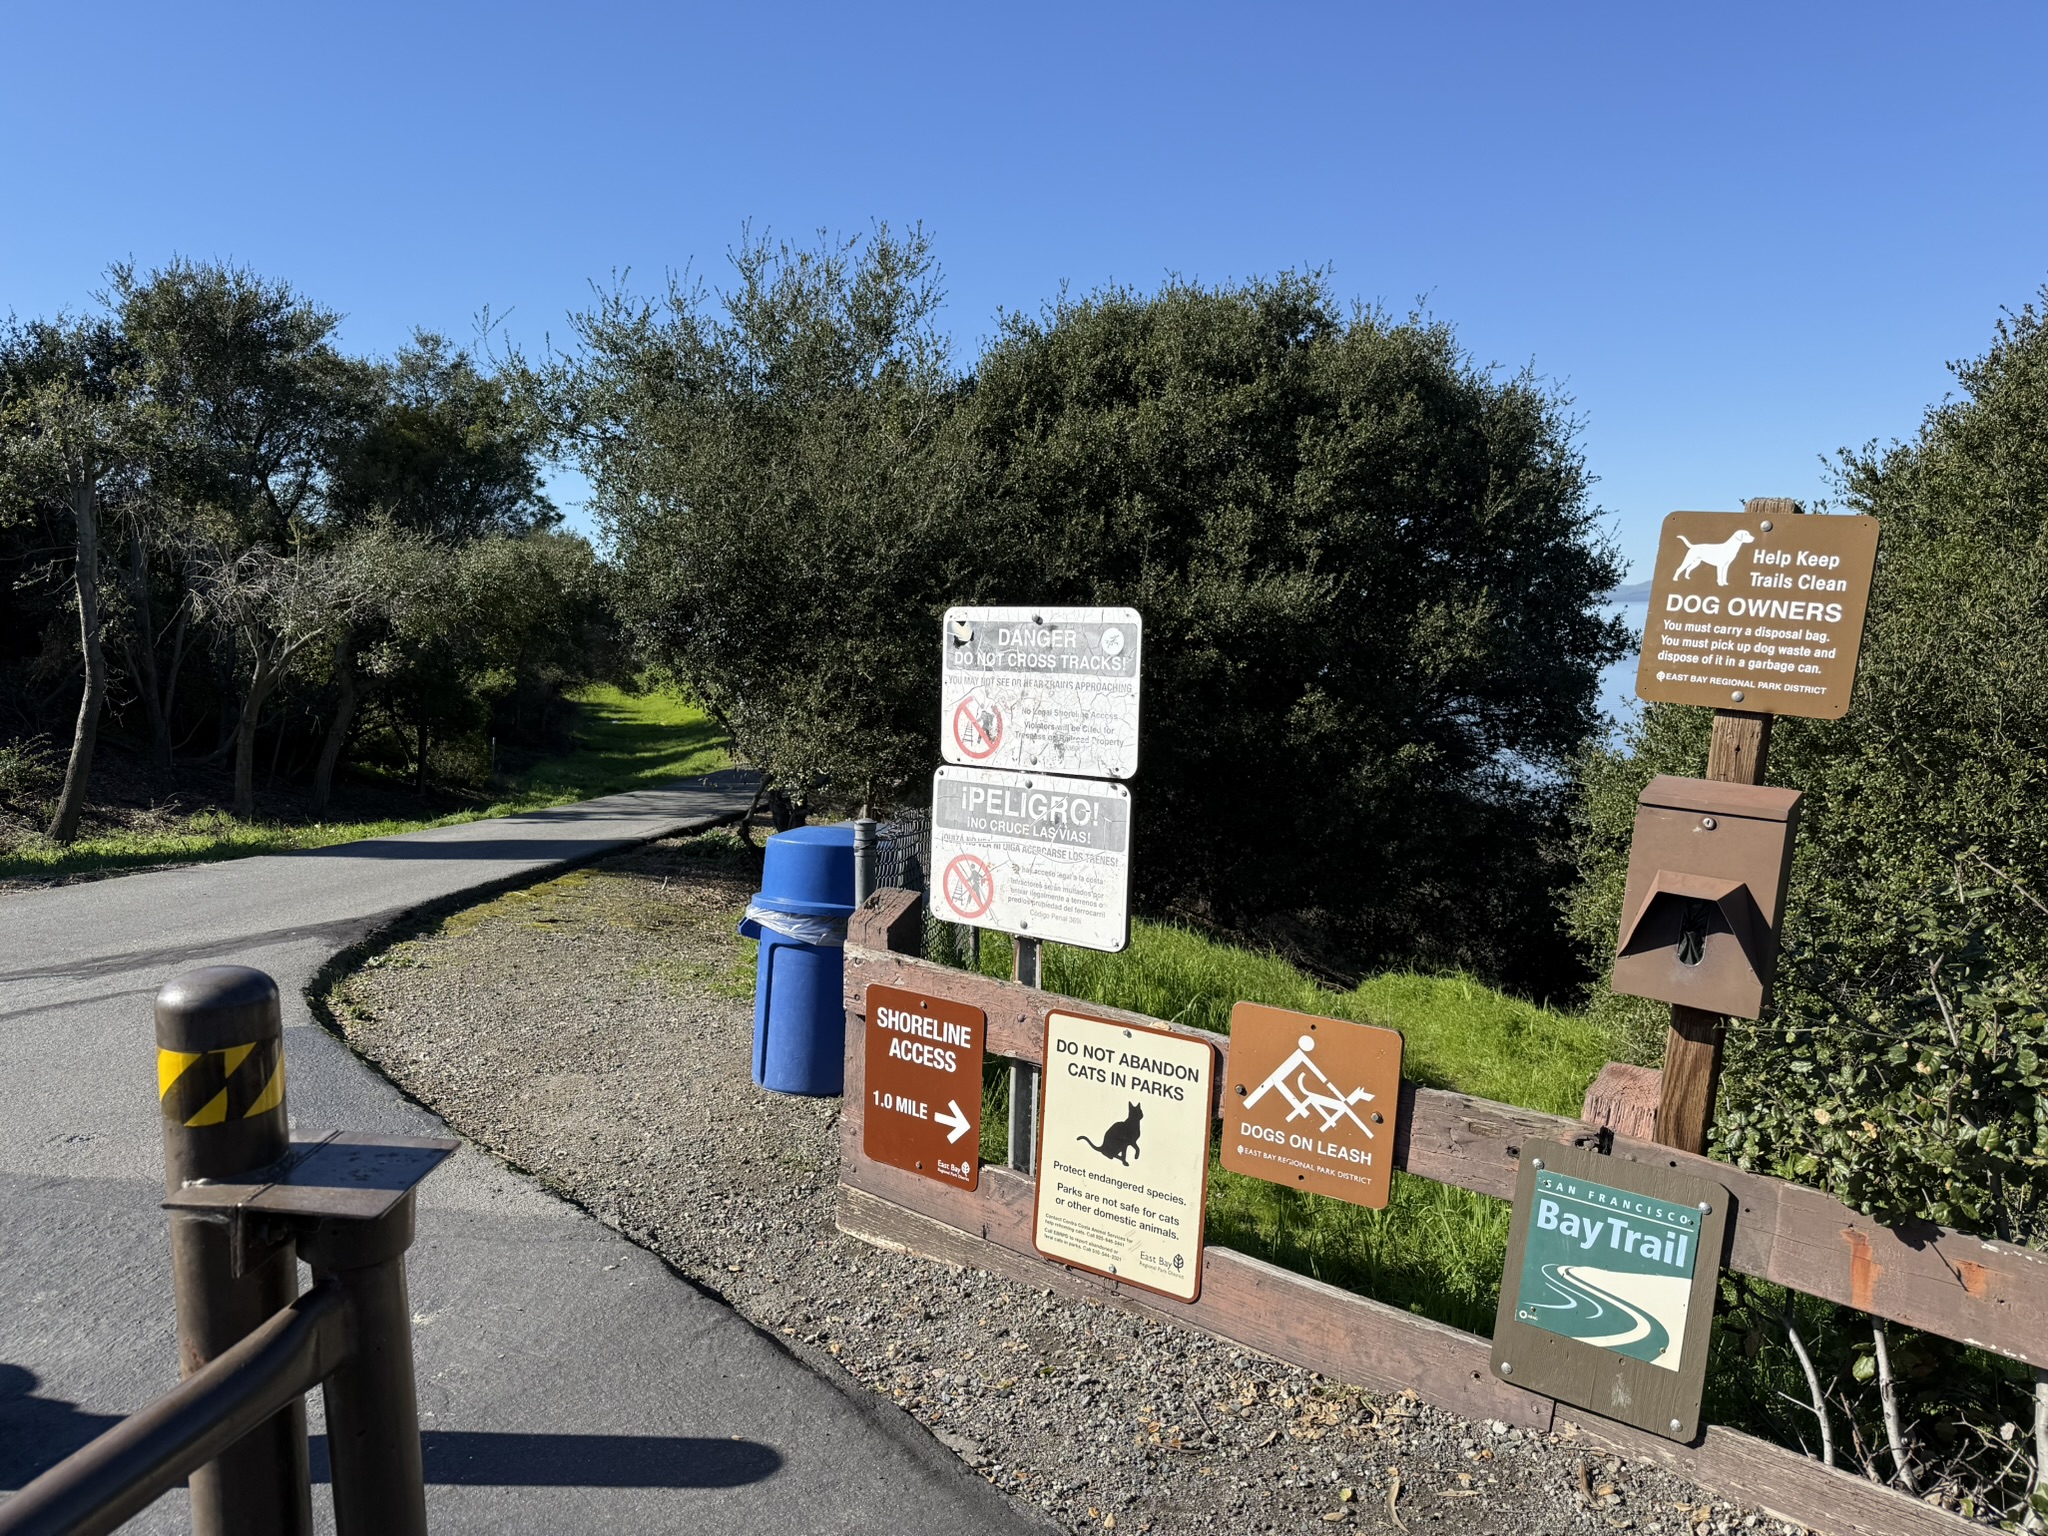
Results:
x,y
623,741
1435,1249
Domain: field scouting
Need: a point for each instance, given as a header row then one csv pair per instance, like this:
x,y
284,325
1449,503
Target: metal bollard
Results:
x,y
865,873
220,1083
373,1424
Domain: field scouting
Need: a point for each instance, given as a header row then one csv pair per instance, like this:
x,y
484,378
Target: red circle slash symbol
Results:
x,y
977,727
969,886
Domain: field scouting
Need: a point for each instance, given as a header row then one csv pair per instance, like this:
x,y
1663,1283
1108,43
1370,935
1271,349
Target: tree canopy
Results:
x,y
1368,567
210,513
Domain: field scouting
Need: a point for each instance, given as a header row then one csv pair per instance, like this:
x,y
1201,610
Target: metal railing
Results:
x,y
246,1205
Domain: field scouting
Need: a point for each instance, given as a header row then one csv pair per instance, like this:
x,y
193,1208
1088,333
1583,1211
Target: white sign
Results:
x,y
1124,1156
1051,689
1033,854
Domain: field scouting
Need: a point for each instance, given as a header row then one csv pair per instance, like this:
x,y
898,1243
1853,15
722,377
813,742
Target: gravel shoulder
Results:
x,y
595,1032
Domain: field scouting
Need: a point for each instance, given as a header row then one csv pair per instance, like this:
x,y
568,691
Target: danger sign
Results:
x,y
1312,1102
924,1057
1051,689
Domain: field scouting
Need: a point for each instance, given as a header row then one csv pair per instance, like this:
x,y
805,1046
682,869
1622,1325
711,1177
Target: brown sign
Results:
x,y
1607,1301
924,1059
1312,1102
1758,613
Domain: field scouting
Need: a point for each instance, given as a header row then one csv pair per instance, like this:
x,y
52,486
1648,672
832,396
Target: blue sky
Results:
x,y
1739,236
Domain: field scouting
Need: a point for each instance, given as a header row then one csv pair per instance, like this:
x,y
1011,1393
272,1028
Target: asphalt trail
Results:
x,y
569,1381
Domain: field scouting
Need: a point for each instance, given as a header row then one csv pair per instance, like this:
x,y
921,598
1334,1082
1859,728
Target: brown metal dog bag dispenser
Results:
x,y
1706,884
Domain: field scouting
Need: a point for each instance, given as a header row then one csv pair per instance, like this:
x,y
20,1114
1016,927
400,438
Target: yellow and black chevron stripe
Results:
x,y
214,1087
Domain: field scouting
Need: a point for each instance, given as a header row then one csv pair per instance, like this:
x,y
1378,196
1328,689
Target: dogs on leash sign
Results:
x,y
1312,1103
1051,690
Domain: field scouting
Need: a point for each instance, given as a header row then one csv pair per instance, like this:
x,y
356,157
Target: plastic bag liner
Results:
x,y
825,932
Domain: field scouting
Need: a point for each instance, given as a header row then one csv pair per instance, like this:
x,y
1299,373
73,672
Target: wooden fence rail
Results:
x,y
1992,1295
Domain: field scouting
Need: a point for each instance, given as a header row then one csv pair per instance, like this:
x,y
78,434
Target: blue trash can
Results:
x,y
800,918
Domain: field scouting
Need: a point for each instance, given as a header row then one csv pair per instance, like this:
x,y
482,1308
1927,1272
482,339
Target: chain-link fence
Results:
x,y
903,860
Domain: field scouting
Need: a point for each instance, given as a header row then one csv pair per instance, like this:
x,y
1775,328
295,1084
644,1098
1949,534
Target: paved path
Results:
x,y
569,1382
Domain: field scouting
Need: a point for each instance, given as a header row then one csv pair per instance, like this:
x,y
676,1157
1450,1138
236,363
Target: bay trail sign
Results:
x,y
1124,1152
1034,854
1052,690
1607,1300
1758,613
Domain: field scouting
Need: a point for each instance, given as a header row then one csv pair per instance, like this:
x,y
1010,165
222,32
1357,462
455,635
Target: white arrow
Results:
x,y
960,1123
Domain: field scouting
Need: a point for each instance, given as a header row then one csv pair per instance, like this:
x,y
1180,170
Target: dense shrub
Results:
x,y
1368,570
1905,1066
1370,578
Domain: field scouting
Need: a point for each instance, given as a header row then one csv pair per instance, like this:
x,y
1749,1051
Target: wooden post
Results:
x,y
1738,753
1025,962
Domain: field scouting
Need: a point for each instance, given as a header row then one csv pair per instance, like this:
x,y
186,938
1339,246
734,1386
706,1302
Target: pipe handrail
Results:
x,y
125,1470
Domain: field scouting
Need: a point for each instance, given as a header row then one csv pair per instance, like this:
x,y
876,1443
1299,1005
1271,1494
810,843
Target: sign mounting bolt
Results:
x,y
1506,1369
1535,1162
1674,1426
1737,695
1766,526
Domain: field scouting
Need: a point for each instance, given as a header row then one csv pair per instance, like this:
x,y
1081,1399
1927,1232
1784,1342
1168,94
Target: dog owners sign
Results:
x,y
1124,1152
1758,613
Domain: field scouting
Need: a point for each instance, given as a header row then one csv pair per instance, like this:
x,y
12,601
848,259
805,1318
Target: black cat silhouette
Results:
x,y
1120,1141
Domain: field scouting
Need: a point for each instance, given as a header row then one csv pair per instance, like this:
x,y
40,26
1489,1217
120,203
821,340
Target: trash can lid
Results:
x,y
809,870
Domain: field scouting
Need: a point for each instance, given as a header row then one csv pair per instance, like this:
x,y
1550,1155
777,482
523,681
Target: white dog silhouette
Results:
x,y
1720,556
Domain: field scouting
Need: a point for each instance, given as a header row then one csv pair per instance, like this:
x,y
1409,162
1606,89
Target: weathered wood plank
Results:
x,y
1349,1338
891,919
1282,1314
1990,1294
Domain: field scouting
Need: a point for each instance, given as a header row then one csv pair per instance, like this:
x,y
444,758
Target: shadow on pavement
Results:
x,y
38,1432
482,1458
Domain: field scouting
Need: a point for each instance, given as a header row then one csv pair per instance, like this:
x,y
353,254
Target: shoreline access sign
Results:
x,y
1758,613
1033,854
923,1070
1053,690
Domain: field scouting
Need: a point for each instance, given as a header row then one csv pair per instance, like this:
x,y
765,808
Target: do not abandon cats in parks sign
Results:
x,y
1124,1160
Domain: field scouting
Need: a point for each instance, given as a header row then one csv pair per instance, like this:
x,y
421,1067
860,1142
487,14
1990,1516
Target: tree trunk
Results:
x,y
419,786
143,664
86,576
337,729
261,681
